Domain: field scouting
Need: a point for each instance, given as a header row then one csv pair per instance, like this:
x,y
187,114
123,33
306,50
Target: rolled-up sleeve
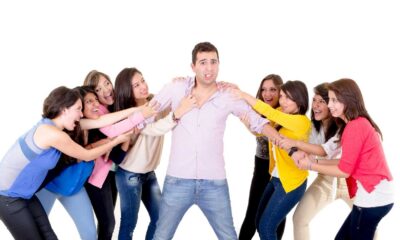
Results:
x,y
257,122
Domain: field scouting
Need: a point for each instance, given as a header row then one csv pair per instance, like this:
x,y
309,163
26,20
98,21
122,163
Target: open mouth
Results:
x,y
268,100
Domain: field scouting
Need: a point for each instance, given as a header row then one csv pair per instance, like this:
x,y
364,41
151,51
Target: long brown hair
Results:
x,y
124,97
276,79
59,99
348,93
92,80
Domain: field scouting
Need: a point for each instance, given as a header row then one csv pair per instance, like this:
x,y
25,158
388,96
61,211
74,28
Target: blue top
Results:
x,y
71,179
25,165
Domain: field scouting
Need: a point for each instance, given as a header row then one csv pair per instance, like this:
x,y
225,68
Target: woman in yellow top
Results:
x,y
288,183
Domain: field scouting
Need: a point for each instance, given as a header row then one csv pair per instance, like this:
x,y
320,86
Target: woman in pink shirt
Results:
x,y
101,186
363,162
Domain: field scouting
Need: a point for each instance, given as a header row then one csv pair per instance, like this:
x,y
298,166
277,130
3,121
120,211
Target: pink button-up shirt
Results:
x,y
197,140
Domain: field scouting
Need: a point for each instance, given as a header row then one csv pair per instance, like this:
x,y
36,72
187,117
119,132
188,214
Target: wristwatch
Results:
x,y
292,150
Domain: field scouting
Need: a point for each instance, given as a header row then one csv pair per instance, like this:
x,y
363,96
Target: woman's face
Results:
x,y
336,107
139,87
105,91
91,106
288,105
270,93
72,115
320,108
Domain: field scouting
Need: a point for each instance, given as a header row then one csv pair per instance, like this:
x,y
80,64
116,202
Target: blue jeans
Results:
x,y
212,197
362,222
261,178
78,207
132,188
275,204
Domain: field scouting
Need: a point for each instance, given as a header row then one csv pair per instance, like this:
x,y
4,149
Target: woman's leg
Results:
x,y
25,218
260,180
361,223
130,191
278,206
47,199
317,196
102,202
151,197
79,208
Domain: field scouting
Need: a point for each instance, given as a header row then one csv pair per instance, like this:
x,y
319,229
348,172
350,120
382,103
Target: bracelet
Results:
x,y
292,150
174,118
316,158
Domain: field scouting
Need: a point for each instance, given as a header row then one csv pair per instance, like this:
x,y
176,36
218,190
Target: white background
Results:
x,y
45,44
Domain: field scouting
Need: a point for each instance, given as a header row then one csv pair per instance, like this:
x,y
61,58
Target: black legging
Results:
x,y
260,180
25,218
103,201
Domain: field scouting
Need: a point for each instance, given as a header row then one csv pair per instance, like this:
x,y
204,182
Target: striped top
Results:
x,y
25,165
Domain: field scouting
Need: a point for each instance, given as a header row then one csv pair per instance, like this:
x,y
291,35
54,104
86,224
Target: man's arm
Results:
x,y
256,122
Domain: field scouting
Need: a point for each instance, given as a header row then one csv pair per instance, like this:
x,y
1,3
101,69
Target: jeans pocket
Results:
x,y
218,183
150,176
171,180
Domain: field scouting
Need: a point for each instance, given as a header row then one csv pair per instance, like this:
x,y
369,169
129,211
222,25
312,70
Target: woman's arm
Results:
x,y
97,143
162,126
131,122
310,148
325,161
246,121
243,95
47,136
293,122
327,169
159,127
272,134
107,119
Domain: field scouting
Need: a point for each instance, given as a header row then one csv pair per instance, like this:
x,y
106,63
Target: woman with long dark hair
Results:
x,y
24,167
288,183
267,92
135,177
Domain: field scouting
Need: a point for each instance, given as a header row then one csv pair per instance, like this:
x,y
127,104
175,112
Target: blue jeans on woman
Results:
x,y
78,207
275,204
132,188
212,197
362,222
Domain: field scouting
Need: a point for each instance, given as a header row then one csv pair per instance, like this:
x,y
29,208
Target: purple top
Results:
x,y
197,140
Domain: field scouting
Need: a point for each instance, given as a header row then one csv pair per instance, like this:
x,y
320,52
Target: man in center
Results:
x,y
196,170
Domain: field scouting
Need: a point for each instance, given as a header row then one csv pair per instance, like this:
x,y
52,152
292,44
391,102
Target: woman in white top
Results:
x,y
135,177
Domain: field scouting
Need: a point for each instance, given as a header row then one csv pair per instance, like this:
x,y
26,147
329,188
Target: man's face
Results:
x,y
206,68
